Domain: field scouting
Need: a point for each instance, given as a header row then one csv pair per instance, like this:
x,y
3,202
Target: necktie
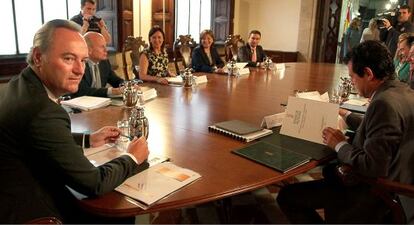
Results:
x,y
97,76
254,57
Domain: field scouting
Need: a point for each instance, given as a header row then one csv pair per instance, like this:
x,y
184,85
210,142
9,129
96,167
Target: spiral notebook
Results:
x,y
239,130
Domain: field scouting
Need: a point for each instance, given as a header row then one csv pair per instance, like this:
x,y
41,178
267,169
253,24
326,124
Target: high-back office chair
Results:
x,y
132,46
232,45
382,188
182,50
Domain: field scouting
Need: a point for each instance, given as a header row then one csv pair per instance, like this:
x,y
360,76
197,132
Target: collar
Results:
x,y
92,63
50,94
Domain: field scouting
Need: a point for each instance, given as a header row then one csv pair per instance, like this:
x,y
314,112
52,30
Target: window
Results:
x,y
191,17
20,19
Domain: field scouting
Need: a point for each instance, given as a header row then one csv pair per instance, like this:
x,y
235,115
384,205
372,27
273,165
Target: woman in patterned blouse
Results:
x,y
153,62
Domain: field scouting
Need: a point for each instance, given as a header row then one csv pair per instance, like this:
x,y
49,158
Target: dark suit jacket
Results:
x,y
383,143
107,76
39,157
390,37
200,62
245,55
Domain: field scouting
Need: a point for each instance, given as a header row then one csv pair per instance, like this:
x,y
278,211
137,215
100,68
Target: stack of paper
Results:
x,y
86,103
105,153
148,93
314,95
157,182
241,66
179,79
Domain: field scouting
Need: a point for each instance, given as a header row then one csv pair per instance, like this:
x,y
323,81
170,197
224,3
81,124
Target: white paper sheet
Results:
x,y
307,118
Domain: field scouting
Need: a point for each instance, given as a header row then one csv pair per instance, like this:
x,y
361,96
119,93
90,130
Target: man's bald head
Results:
x,y
96,45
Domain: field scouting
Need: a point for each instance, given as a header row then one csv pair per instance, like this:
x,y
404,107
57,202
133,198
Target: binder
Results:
x,y
239,130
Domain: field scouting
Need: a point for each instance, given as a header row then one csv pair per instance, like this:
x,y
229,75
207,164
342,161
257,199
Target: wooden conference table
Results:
x,y
178,120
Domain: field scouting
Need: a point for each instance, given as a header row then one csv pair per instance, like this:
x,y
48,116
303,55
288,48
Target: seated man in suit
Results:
x,y
252,52
382,146
39,156
98,71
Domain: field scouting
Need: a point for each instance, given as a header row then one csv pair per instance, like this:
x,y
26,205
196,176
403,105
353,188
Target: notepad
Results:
x,y
237,127
86,103
273,156
239,130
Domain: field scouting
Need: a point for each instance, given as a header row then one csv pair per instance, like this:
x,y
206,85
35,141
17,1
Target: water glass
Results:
x,y
123,125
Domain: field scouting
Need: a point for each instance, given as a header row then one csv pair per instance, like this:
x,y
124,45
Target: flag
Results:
x,y
347,18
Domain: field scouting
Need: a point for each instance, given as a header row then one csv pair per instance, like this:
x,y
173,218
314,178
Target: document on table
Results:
x,y
157,182
305,118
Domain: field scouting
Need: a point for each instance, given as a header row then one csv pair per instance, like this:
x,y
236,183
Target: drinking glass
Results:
x,y
123,125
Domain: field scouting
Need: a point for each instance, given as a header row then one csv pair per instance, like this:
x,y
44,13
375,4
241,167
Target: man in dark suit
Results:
x,y
39,157
389,34
252,52
382,146
98,71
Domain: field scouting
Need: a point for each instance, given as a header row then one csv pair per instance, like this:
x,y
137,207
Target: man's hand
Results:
x,y
387,23
104,135
139,148
102,24
85,25
342,112
332,137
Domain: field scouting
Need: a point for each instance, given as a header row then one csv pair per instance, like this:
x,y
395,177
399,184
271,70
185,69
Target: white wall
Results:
x,y
278,21
144,21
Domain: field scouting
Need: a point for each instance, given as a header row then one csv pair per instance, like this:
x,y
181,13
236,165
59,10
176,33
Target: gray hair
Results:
x,y
43,37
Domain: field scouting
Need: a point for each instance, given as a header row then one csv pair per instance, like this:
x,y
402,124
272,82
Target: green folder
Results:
x,y
273,156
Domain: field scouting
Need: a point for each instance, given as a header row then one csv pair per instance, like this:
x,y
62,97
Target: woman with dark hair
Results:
x,y
205,57
153,62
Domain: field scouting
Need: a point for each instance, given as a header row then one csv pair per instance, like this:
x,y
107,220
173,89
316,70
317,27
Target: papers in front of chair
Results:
x,y
179,80
86,103
156,182
274,120
306,119
105,153
241,66
148,93
358,102
314,95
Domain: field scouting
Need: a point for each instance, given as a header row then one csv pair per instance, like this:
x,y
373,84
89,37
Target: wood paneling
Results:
x,y
281,56
168,13
125,21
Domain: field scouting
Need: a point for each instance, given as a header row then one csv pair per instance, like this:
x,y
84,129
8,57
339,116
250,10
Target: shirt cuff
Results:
x,y
132,157
339,145
85,141
346,115
109,92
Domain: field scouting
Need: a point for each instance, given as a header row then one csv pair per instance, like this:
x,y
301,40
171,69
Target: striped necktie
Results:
x,y
97,81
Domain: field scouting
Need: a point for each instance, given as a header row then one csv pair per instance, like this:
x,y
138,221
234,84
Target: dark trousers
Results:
x,y
341,204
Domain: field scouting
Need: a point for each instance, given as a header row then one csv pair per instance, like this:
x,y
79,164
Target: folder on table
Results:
x,y
273,156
